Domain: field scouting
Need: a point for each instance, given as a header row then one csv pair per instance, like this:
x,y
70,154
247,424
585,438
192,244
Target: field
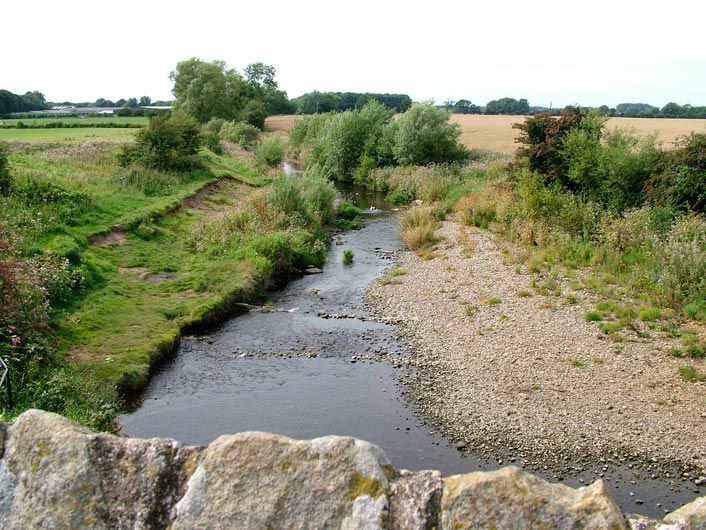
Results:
x,y
67,136
495,133
72,121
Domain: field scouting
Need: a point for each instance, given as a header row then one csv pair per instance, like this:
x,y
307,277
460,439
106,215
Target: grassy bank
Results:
x,y
105,266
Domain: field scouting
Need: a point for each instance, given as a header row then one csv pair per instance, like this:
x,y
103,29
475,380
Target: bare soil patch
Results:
x,y
114,237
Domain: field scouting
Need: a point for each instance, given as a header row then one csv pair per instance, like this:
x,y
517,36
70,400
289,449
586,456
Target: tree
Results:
x,y
671,110
208,90
261,76
424,135
507,106
34,101
277,102
635,110
145,101
542,137
317,102
463,106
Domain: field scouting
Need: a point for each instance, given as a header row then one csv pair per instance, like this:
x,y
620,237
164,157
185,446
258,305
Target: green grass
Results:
x,y
116,120
594,316
649,314
67,136
182,249
691,374
348,256
612,327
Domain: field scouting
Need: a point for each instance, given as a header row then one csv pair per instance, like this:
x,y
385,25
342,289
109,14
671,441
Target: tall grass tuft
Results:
x,y
417,227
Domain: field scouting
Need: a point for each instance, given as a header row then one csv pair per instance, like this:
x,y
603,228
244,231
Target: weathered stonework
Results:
x,y
54,474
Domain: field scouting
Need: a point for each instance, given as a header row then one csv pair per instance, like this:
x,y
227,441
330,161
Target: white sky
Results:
x,y
558,51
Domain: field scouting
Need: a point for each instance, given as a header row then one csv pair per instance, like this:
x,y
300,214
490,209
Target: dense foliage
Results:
x,y
507,106
613,168
10,102
322,102
206,90
5,175
347,145
168,143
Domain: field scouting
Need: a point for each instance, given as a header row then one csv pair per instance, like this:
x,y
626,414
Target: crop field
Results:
x,y
495,133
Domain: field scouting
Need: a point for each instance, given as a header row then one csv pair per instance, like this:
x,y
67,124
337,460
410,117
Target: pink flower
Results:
x,y
15,340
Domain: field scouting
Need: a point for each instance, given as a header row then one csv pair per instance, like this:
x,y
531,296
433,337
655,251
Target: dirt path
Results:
x,y
528,378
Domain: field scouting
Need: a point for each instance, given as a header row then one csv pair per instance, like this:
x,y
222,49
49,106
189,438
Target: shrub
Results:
x,y
319,195
417,227
629,231
681,184
543,136
306,130
285,196
28,285
242,133
684,257
348,210
213,142
347,256
214,126
5,174
270,151
168,143
423,135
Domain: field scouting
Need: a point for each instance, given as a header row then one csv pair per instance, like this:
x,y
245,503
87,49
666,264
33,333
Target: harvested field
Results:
x,y
495,133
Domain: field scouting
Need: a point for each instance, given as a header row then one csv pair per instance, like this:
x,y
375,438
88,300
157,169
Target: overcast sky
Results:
x,y
558,52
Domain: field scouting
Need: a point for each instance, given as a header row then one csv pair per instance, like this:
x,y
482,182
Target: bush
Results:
x,y
417,227
285,196
214,126
28,285
319,195
681,184
213,142
684,257
348,210
5,174
348,256
168,143
345,139
423,135
242,133
270,151
543,137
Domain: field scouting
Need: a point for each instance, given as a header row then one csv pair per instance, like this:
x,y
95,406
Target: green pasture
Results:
x,y
67,136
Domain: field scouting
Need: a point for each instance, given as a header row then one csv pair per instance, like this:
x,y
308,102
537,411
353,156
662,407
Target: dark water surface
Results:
x,y
291,371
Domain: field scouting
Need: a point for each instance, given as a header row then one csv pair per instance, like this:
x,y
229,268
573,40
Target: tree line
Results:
x,y
30,101
321,102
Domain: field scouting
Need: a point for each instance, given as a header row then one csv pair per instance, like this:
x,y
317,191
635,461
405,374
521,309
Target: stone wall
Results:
x,y
54,474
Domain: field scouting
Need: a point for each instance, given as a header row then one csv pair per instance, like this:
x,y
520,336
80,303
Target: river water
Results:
x,y
295,370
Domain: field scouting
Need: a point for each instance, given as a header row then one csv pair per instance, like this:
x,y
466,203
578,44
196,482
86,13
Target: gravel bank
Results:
x,y
528,379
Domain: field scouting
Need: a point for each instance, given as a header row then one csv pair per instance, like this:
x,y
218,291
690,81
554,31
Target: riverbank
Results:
x,y
509,369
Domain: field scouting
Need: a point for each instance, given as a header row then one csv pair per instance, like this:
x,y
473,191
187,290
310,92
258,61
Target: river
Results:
x,y
296,369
